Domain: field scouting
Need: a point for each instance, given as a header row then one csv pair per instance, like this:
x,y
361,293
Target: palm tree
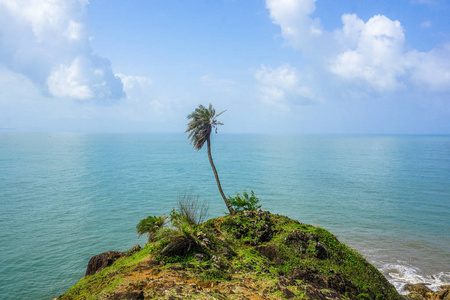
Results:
x,y
203,120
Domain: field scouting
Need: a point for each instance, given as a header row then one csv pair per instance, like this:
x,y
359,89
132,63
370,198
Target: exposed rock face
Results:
x,y
271,252
298,240
137,295
442,294
321,251
422,292
217,262
337,282
287,294
199,256
204,241
259,228
134,249
101,261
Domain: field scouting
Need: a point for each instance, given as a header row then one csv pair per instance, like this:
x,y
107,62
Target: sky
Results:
x,y
276,66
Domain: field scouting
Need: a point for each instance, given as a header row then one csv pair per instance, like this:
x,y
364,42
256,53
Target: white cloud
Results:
x,y
378,57
293,17
46,41
85,78
350,33
135,83
69,81
432,69
282,87
372,53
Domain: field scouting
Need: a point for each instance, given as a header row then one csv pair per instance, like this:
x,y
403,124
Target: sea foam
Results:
x,y
402,273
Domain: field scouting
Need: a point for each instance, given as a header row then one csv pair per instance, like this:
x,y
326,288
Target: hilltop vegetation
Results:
x,y
248,255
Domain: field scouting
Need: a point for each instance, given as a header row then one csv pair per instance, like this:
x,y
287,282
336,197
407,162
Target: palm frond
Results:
x,y
150,224
202,121
166,233
221,113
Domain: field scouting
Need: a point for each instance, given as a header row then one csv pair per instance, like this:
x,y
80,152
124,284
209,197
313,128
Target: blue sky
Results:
x,y
277,66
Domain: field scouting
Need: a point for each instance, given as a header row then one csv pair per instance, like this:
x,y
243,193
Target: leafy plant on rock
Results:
x,y
244,202
183,235
150,225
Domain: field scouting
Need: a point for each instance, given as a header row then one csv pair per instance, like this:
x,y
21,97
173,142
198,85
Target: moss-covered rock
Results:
x,y
254,255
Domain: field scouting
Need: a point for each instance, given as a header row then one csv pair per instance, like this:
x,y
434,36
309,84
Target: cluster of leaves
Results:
x,y
150,225
176,234
244,201
177,240
202,121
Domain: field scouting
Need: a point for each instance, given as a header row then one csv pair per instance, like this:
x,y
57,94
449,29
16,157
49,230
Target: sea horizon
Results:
x,y
222,132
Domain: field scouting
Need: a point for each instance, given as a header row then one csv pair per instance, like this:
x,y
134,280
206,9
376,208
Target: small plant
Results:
x,y
178,241
244,202
179,238
190,210
150,225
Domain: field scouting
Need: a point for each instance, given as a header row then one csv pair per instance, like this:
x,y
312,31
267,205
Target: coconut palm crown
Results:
x,y
202,121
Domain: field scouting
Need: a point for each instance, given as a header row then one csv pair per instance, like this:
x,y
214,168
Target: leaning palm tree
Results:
x,y
203,120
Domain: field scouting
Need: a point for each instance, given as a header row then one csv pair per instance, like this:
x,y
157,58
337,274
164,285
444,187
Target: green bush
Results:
x,y
244,202
150,225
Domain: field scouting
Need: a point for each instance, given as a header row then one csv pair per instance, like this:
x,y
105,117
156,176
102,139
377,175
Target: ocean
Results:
x,y
65,197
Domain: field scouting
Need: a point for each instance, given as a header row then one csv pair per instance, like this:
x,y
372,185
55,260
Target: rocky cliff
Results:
x,y
251,255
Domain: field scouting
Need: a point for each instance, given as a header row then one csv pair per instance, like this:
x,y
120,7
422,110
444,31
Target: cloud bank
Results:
x,y
372,53
46,41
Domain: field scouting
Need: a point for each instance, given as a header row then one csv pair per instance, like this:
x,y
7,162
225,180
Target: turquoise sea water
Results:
x,y
65,197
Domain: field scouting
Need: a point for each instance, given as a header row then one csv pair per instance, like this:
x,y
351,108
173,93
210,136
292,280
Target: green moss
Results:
x,y
255,245
107,279
216,275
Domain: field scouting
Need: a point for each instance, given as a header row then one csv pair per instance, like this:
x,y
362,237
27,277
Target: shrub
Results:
x,y
179,239
191,210
244,202
150,225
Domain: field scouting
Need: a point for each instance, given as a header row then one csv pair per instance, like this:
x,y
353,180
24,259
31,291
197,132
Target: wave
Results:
x,y
402,273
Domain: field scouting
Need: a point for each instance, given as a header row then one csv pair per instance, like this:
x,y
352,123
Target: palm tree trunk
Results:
x,y
230,209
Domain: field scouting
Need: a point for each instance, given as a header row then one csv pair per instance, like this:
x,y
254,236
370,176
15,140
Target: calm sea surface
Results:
x,y
67,197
